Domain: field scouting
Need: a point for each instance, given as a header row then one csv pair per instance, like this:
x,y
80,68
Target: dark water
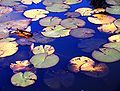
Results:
x,y
66,48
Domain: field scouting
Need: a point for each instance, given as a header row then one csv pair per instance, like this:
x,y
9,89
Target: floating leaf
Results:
x,y
88,45
113,2
114,38
100,70
106,55
108,28
9,2
113,10
82,33
8,48
28,2
5,10
50,21
72,23
23,79
20,8
77,62
72,1
99,10
57,78
51,2
39,38
72,14
101,19
115,45
55,32
4,34
84,11
117,23
35,14
58,7
19,65
8,39
43,60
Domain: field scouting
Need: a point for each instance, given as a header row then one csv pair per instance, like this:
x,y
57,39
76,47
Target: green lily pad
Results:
x,y
113,2
115,45
50,21
106,55
117,23
23,79
58,7
43,60
56,32
72,23
82,33
51,2
72,1
113,10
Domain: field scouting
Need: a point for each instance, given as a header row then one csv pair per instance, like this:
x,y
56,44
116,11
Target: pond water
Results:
x,y
59,45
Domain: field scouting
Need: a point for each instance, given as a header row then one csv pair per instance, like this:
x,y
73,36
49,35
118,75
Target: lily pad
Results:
x,y
4,34
77,62
108,28
72,23
55,79
117,23
113,2
114,38
51,2
115,45
35,14
23,79
101,19
55,32
20,8
43,60
100,70
50,21
72,1
106,55
58,7
44,49
84,11
29,2
8,48
82,33
5,10
113,10
9,2
72,14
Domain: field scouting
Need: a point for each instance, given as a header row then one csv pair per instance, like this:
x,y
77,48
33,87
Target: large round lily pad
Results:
x,y
58,78
72,23
82,33
8,48
56,32
106,55
113,10
44,60
50,21
23,79
58,7
115,45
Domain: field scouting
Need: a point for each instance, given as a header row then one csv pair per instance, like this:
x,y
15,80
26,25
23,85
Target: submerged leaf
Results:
x,y
82,33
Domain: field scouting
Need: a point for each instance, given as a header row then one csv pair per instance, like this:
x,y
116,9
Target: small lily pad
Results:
x,y
72,14
23,79
114,38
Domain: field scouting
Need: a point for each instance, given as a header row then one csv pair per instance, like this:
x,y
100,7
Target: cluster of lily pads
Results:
x,y
44,56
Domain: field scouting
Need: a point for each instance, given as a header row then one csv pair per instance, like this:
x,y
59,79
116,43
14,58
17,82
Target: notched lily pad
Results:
x,y
44,60
23,79
106,55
